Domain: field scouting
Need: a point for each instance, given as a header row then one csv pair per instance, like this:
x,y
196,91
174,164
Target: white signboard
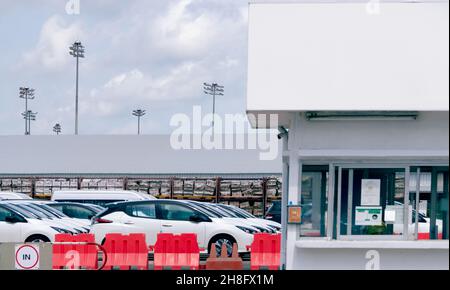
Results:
x,y
27,257
393,214
368,216
370,191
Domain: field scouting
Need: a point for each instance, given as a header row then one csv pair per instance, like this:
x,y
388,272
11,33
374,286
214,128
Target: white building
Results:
x,y
362,89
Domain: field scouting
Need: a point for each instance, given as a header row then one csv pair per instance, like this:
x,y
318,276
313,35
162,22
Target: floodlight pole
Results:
x,y
213,89
27,94
76,99
26,111
29,116
139,125
57,129
139,113
77,51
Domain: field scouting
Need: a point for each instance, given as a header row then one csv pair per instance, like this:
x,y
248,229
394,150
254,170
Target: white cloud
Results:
x,y
135,87
52,49
181,31
154,54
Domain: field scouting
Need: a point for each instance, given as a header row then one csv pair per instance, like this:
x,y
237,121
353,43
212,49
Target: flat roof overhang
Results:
x,y
344,58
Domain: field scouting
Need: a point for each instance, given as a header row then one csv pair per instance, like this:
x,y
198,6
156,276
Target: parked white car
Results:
x,y
49,215
251,218
169,216
233,217
21,226
6,195
99,197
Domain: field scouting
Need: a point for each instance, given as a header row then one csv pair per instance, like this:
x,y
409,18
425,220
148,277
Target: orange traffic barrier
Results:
x,y
265,251
126,251
176,252
75,252
224,262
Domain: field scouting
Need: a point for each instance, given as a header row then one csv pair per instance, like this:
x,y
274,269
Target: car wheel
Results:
x,y
37,239
221,240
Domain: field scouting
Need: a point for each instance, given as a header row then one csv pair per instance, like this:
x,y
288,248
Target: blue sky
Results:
x,y
153,55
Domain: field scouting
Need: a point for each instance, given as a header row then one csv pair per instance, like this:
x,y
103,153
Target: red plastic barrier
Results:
x,y
77,255
176,252
126,251
265,251
426,236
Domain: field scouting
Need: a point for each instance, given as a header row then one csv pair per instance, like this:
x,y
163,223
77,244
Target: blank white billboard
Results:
x,y
348,56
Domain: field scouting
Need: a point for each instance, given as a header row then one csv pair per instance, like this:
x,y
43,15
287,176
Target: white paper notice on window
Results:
x,y
370,191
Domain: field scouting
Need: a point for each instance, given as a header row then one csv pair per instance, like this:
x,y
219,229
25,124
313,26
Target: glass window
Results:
x,y
78,212
171,211
314,201
23,212
4,213
372,201
147,210
57,206
428,194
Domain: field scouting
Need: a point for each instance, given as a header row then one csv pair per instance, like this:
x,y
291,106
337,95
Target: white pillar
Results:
x,y
294,187
284,201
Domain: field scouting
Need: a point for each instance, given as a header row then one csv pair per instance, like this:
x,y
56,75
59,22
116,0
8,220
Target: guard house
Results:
x,y
361,92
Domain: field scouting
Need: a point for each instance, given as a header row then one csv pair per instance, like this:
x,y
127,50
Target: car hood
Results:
x,y
264,222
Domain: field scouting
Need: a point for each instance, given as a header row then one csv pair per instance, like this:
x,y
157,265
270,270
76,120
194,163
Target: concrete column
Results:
x,y
294,186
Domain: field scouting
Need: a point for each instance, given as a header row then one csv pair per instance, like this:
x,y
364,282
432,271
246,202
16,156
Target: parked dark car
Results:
x,y
274,212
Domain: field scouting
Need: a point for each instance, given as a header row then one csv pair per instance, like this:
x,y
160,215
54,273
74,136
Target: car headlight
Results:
x,y
62,231
247,230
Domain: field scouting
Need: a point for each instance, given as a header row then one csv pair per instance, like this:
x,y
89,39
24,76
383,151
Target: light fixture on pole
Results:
x,y
57,129
139,113
27,94
29,116
77,51
213,90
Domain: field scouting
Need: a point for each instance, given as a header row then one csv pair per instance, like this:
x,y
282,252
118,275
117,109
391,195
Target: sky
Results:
x,y
148,54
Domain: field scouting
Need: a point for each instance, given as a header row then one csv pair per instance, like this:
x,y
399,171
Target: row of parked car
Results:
x,y
25,220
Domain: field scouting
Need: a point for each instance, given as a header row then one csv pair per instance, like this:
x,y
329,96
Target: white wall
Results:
x,y
337,56
123,155
430,132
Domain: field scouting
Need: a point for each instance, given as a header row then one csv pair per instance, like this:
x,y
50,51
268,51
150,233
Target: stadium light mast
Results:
x,y
213,90
77,51
139,113
29,116
57,129
27,94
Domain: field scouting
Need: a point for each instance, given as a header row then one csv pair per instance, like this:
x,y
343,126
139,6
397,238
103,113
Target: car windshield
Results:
x,y
23,212
95,208
23,208
45,209
224,211
242,213
276,206
52,211
218,212
205,210
39,213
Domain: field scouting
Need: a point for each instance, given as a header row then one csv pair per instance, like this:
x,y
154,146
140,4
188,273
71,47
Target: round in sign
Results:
x,y
27,257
